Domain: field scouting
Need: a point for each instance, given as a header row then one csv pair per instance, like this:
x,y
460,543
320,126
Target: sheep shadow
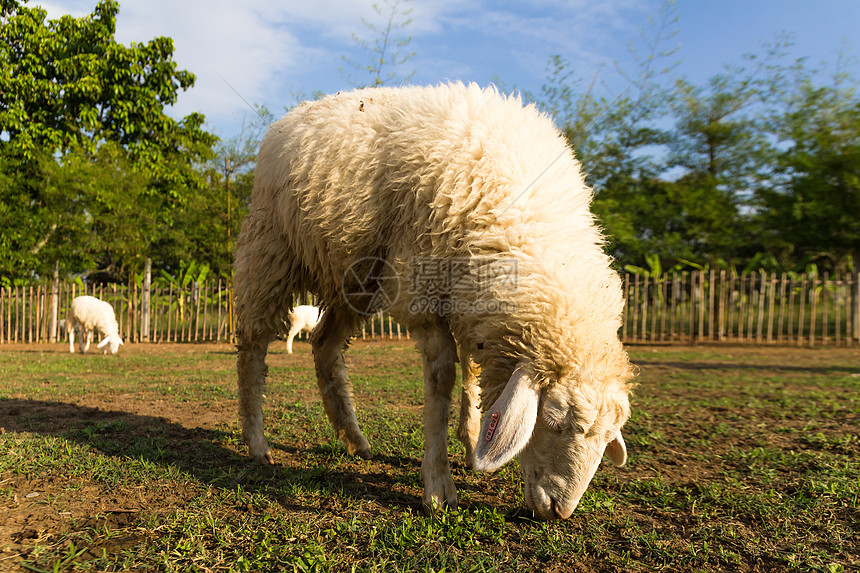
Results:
x,y
679,365
202,453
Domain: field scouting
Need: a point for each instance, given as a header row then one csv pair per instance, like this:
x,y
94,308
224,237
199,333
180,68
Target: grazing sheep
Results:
x,y
89,314
303,318
370,199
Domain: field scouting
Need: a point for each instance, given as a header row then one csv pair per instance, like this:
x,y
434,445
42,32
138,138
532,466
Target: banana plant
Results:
x,y
654,271
191,273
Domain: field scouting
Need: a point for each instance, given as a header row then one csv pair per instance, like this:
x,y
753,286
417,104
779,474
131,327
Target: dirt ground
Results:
x,y
23,523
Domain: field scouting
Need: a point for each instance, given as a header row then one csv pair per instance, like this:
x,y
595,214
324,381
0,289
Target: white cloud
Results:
x,y
224,43
263,49
227,45
249,46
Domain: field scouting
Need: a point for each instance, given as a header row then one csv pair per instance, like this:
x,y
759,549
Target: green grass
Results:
x,y
740,460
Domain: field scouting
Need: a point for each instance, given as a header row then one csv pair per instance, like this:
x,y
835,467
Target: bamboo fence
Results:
x,y
751,308
684,307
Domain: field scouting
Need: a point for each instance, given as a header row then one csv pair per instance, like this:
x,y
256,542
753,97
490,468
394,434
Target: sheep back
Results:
x,y
93,314
448,172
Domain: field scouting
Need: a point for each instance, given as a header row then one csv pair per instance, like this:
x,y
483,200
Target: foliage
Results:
x,y
385,54
67,84
755,168
211,224
27,221
813,207
78,109
758,165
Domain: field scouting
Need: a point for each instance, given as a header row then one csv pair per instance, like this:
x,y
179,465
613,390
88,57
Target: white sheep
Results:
x,y
370,198
88,315
303,318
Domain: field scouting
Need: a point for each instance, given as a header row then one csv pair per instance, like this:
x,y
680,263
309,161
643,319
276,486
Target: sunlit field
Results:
x,y
740,459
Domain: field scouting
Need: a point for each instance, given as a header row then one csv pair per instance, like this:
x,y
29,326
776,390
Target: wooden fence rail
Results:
x,y
685,307
753,308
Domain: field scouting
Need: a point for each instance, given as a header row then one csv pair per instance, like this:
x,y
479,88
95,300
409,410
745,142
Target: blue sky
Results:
x,y
269,51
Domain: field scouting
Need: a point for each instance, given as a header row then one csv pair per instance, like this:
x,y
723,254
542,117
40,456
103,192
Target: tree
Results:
x,y
28,218
69,93
109,213
385,51
67,84
211,224
812,207
716,137
615,137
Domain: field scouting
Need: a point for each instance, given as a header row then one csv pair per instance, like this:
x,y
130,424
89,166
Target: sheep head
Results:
x,y
560,432
112,342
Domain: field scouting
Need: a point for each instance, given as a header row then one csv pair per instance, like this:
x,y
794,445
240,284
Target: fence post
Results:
x,y
55,295
779,329
644,324
812,312
672,314
721,319
41,308
230,308
625,320
26,318
702,307
762,301
691,318
218,335
855,301
802,310
825,298
145,301
170,315
635,308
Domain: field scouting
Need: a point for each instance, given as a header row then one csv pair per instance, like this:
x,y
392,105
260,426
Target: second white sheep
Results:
x,y
87,316
303,318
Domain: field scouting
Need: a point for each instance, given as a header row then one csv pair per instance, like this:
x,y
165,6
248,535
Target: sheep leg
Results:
x,y
71,333
440,355
252,369
328,340
88,338
294,330
470,408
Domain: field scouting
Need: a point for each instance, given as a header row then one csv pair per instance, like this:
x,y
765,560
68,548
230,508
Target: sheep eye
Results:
x,y
553,422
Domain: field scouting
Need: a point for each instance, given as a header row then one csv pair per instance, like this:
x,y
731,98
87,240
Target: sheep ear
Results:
x,y
509,422
103,342
616,450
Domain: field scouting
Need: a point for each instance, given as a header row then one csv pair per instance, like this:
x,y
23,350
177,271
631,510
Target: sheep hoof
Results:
x,y
265,459
364,454
357,447
439,493
469,460
434,507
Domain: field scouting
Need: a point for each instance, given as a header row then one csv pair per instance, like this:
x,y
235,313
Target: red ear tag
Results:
x,y
491,429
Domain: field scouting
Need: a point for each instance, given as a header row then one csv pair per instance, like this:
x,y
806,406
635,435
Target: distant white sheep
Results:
x,y
303,318
88,315
361,196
